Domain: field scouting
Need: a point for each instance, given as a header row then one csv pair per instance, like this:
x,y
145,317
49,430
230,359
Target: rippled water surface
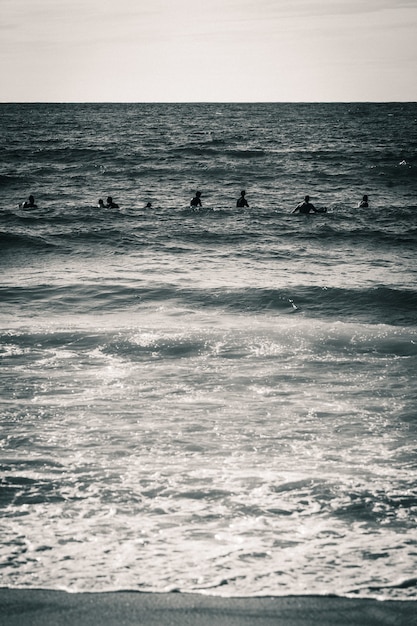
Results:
x,y
222,400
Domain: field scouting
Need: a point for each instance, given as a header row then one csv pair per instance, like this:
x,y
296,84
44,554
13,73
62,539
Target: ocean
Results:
x,y
219,400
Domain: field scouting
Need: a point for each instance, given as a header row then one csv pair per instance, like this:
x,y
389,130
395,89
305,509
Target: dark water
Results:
x,y
221,400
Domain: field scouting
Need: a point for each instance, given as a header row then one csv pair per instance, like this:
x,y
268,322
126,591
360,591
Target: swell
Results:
x,y
15,241
65,226
379,305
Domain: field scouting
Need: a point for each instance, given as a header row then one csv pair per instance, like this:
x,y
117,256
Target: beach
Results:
x,y
24,607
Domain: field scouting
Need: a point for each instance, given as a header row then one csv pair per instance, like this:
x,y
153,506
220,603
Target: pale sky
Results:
x,y
208,50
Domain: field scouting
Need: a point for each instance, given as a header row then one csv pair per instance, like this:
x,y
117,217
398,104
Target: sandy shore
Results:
x,y
21,607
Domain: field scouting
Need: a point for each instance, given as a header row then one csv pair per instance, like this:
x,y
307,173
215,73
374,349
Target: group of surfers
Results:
x,y
305,207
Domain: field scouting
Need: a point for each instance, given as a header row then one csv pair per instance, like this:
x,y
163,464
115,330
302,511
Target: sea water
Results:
x,y
218,401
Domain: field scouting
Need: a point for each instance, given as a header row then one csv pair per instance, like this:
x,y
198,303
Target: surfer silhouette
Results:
x,y
110,204
363,204
29,203
196,201
305,207
242,202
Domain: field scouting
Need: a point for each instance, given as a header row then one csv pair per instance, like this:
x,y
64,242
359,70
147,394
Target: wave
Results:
x,y
375,305
206,150
347,346
27,242
372,236
10,179
382,305
85,228
19,490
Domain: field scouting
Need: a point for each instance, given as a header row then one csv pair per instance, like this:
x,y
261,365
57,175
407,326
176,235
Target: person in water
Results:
x,y
305,207
29,203
363,204
242,202
110,204
148,205
101,204
196,201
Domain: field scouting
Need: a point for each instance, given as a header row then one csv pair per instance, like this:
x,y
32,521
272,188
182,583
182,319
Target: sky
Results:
x,y
208,50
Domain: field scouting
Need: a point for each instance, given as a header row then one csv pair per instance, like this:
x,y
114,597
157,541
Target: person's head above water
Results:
x,y
242,193
31,199
307,198
365,198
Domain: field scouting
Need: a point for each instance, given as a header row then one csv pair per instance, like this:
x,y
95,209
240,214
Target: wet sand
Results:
x,y
28,607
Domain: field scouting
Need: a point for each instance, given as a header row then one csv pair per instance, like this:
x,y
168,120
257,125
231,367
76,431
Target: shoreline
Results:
x,y
36,607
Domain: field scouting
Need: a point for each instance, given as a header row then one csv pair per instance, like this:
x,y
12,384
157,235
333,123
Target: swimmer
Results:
x,y
29,203
196,201
363,204
148,205
306,207
100,204
110,204
242,202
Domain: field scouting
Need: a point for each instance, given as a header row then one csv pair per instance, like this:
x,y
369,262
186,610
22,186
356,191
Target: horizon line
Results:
x,y
208,102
